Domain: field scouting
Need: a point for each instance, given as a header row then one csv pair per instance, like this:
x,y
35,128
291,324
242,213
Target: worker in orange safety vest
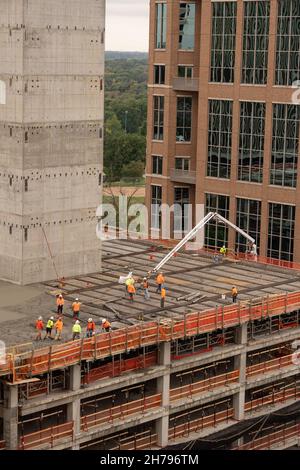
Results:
x,y
58,328
76,309
90,328
234,293
131,291
160,280
39,326
106,325
60,301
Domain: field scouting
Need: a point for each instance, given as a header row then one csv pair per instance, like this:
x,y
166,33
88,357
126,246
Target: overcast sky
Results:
x,y
127,25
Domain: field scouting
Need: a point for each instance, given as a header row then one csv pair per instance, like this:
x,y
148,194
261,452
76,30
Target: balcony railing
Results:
x,y
120,412
204,385
183,176
47,437
278,437
268,366
185,84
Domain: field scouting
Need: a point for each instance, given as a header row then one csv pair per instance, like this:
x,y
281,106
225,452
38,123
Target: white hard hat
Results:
x,y
60,295
51,318
40,318
103,320
77,322
76,300
90,320
145,279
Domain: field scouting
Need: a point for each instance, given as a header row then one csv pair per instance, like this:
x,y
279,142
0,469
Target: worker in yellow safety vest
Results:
x,y
223,250
49,327
76,330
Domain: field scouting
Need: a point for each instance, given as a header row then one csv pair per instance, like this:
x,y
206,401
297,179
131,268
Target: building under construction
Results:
x,y
201,369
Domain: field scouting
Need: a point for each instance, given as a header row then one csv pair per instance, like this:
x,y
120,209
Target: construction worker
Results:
x,y
39,326
76,330
162,297
90,328
49,327
145,285
60,301
160,280
76,309
131,291
234,293
58,328
223,250
129,282
106,325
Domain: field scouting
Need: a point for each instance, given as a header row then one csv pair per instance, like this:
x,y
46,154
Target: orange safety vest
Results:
x,y
160,279
59,325
76,306
234,291
39,325
145,284
60,301
163,293
131,289
91,326
106,325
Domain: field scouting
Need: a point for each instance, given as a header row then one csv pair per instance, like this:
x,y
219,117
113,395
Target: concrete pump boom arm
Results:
x,y
192,233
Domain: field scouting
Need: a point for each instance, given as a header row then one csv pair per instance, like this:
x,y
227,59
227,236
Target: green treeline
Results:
x,y
125,115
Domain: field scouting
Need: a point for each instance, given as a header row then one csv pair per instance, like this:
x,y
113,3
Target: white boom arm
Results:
x,y
192,233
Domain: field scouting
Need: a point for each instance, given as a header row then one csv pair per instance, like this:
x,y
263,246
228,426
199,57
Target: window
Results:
x,y
159,74
288,42
184,119
156,201
185,71
181,210
248,218
285,145
187,26
223,41
256,42
216,233
161,26
219,138
182,164
281,231
157,165
251,147
158,117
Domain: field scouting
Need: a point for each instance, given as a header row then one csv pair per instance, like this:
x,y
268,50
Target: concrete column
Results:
x,y
73,408
10,417
163,387
240,364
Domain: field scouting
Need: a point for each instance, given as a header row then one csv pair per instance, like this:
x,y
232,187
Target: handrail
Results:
x,y
120,412
265,442
203,385
282,395
48,435
267,366
199,424
145,334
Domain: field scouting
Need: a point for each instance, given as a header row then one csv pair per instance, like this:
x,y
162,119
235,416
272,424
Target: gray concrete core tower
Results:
x,y
51,128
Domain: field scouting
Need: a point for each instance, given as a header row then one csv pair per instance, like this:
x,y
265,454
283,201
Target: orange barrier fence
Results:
x,y
2,445
277,437
116,368
120,412
267,366
103,345
281,396
50,436
197,425
203,385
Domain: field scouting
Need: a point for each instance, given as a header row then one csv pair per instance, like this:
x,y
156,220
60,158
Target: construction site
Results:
x,y
199,370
